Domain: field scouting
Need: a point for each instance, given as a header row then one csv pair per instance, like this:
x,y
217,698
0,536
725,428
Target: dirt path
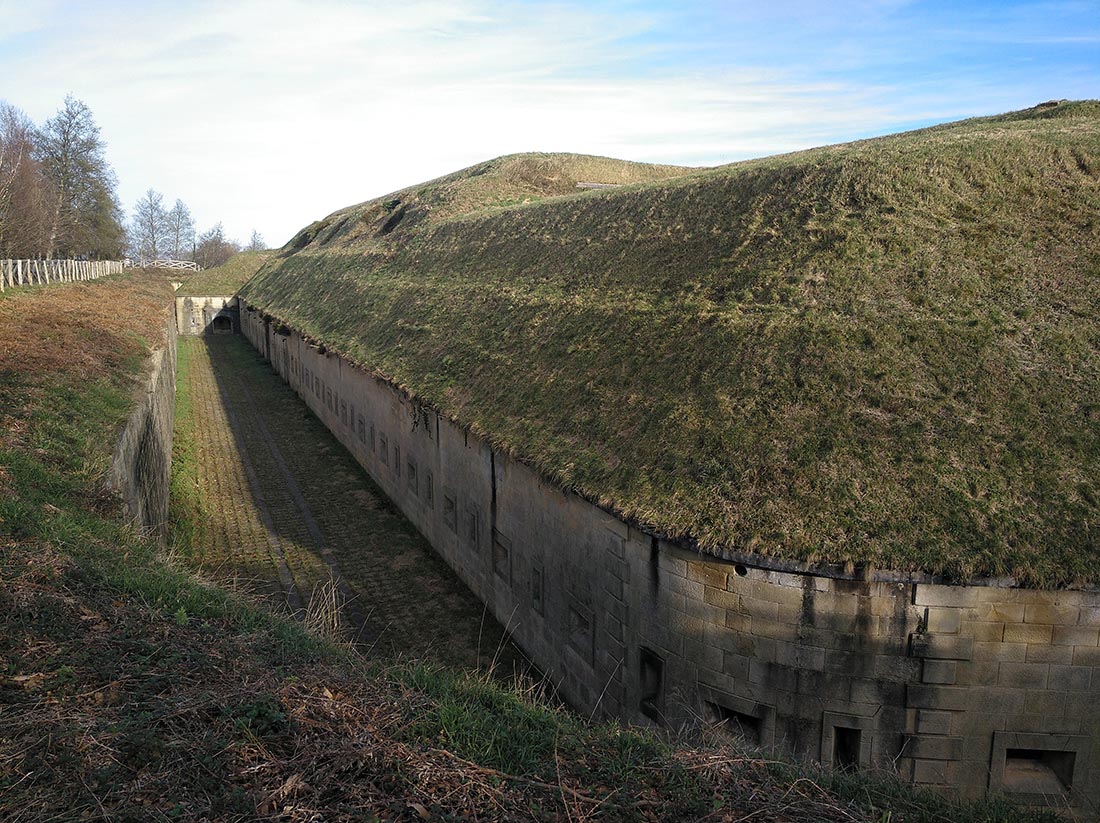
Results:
x,y
280,508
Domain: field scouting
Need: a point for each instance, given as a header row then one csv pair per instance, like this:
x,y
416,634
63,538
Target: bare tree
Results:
x,y
256,243
150,233
85,216
24,190
214,248
181,231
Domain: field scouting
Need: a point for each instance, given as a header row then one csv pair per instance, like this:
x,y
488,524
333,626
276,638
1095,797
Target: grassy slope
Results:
x,y
226,279
883,352
131,691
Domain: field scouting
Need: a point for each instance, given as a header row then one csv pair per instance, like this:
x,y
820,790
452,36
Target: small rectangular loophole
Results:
x,y
582,630
502,556
846,744
743,727
537,584
1039,771
651,677
450,512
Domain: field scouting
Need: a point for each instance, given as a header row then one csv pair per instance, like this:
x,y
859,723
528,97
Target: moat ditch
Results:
x,y
266,501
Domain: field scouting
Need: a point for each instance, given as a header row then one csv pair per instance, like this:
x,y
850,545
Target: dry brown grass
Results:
x,y
82,330
114,711
324,616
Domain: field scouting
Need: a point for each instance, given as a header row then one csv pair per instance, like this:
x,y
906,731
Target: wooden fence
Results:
x,y
44,272
187,265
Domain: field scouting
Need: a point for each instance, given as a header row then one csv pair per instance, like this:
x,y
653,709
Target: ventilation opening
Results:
x,y
741,570
450,513
471,526
846,743
537,602
1038,771
652,681
502,556
582,631
737,724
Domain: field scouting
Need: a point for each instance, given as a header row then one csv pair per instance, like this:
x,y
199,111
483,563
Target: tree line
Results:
x,y
59,199
157,231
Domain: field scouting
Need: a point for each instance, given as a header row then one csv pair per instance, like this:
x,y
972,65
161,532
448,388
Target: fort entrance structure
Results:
x,y
803,446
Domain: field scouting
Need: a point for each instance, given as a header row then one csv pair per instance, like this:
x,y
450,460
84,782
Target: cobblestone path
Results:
x,y
280,508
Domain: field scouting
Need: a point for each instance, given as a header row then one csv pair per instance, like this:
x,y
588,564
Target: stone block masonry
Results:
x,y
141,465
207,315
970,690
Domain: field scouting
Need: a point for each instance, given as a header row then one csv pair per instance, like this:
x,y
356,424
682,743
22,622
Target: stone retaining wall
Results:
x,y
972,689
142,463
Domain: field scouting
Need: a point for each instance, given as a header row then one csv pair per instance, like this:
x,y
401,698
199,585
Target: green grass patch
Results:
x,y
185,503
226,279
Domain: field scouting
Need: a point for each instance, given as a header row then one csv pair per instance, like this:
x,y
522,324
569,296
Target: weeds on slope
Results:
x,y
130,691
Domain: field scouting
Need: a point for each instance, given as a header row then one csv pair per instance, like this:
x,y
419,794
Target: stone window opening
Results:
x,y
362,430
472,525
651,684
429,490
344,412
846,748
744,727
502,556
538,602
1045,768
845,741
450,512
582,631
748,721
410,473
383,450
397,460
1038,771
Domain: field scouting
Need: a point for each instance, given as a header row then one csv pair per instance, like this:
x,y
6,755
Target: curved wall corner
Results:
x,y
970,690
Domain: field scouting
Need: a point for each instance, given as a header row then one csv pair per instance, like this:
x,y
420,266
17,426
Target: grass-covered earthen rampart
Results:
x,y
882,354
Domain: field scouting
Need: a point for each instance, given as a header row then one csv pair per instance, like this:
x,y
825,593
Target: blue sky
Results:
x,y
269,114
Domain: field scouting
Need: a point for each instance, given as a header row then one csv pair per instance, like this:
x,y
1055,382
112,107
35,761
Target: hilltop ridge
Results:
x,y
883,353
511,180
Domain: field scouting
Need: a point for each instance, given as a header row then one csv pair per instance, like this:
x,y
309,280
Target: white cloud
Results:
x,y
270,113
